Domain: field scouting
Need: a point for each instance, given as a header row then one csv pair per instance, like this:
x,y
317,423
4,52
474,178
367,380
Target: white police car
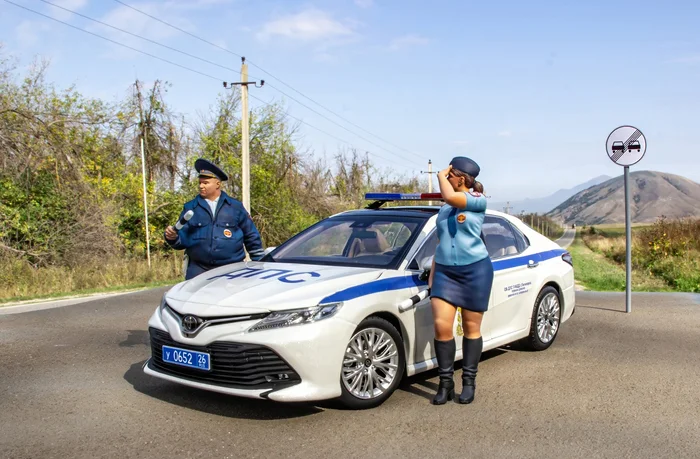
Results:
x,y
340,310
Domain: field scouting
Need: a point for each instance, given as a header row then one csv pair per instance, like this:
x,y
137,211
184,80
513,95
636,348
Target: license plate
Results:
x,y
190,359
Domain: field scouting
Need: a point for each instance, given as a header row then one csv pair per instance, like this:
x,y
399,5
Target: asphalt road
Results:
x,y
613,385
567,238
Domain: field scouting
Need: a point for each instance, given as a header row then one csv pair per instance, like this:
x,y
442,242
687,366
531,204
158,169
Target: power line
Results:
x,y
203,60
278,79
139,36
331,111
113,41
182,67
332,121
324,132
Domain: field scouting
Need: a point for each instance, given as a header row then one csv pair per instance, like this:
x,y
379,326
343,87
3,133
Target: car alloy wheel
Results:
x,y
371,363
545,319
548,317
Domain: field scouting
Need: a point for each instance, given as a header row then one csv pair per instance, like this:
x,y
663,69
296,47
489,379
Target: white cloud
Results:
x,y
461,143
308,25
408,41
135,22
29,33
505,134
364,3
194,4
63,15
139,24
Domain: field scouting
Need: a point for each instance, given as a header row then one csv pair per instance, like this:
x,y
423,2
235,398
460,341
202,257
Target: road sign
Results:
x,y
626,145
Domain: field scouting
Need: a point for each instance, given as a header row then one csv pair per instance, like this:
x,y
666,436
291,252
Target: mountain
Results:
x,y
547,203
652,194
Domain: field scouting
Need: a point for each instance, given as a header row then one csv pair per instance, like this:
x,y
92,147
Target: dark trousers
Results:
x,y
195,269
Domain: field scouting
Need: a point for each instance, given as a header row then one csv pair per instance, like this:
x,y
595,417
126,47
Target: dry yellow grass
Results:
x,y
19,280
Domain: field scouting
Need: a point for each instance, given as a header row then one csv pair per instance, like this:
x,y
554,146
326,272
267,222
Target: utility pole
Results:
x,y
245,132
430,178
507,208
145,205
142,135
245,137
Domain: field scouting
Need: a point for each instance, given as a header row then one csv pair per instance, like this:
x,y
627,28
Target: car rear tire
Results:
x,y
373,364
546,319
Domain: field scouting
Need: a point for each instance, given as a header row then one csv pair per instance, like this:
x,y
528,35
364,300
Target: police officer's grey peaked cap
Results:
x,y
465,165
207,169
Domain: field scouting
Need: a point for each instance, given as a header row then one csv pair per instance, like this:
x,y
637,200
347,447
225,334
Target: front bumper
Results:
x,y
291,364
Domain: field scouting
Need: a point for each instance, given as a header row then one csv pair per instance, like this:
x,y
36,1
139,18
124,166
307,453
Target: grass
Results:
x,y
615,229
594,271
20,281
86,292
668,250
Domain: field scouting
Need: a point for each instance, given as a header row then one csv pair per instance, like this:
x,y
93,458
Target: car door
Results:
x,y
423,313
513,279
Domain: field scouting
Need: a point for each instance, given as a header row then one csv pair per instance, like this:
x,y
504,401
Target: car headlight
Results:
x,y
279,319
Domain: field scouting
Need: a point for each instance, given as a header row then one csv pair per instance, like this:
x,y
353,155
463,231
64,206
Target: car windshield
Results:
x,y
375,241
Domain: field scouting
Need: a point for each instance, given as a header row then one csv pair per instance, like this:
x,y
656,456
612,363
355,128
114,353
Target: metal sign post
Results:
x,y
626,146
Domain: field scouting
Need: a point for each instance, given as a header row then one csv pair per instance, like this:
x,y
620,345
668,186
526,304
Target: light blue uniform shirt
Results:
x,y
459,231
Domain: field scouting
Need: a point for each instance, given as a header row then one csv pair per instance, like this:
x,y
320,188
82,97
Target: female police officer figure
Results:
x,y
461,276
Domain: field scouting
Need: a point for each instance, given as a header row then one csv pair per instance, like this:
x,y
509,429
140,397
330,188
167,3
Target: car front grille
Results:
x,y
235,365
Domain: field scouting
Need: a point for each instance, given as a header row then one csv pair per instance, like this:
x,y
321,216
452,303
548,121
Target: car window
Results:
x,y
427,249
499,237
366,240
330,242
522,240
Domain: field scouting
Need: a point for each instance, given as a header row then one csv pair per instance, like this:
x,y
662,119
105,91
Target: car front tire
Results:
x,y
546,319
373,364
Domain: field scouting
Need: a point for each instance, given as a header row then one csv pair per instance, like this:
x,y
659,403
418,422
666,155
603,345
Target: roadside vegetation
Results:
x,y
71,199
543,225
667,251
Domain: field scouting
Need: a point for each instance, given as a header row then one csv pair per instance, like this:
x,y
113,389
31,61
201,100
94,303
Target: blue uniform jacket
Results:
x,y
459,231
218,240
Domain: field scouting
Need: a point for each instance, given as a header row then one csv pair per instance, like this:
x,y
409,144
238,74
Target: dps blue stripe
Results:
x,y
403,282
382,285
522,261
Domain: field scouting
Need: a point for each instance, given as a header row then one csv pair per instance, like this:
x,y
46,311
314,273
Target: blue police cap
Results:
x,y
207,169
465,165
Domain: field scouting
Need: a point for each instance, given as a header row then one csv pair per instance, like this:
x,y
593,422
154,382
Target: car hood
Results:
x,y
254,287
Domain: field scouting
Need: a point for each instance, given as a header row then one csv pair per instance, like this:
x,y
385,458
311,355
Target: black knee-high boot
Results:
x,y
471,350
445,353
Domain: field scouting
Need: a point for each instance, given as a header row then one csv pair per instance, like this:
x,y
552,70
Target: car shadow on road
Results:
x,y
212,402
420,385
583,306
136,338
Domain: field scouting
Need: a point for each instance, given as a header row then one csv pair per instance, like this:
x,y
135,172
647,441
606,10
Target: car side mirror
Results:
x,y
426,265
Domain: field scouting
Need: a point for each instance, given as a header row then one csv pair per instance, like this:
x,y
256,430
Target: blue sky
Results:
x,y
529,89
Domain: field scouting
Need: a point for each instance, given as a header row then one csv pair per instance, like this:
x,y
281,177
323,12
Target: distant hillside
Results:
x,y
652,194
547,203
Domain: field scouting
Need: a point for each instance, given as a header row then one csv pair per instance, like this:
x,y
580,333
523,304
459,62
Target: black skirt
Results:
x,y
467,287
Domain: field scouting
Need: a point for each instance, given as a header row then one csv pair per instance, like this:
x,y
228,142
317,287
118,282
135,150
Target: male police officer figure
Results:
x,y
219,228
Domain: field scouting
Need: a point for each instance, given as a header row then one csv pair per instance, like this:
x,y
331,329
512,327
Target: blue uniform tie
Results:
x,y
452,222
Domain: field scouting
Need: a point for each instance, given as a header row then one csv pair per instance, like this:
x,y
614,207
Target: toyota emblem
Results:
x,y
190,323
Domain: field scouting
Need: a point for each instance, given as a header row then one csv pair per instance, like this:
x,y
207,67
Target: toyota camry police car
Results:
x,y
340,311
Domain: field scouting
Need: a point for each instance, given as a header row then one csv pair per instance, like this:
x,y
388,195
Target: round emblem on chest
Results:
x,y
461,218
227,232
